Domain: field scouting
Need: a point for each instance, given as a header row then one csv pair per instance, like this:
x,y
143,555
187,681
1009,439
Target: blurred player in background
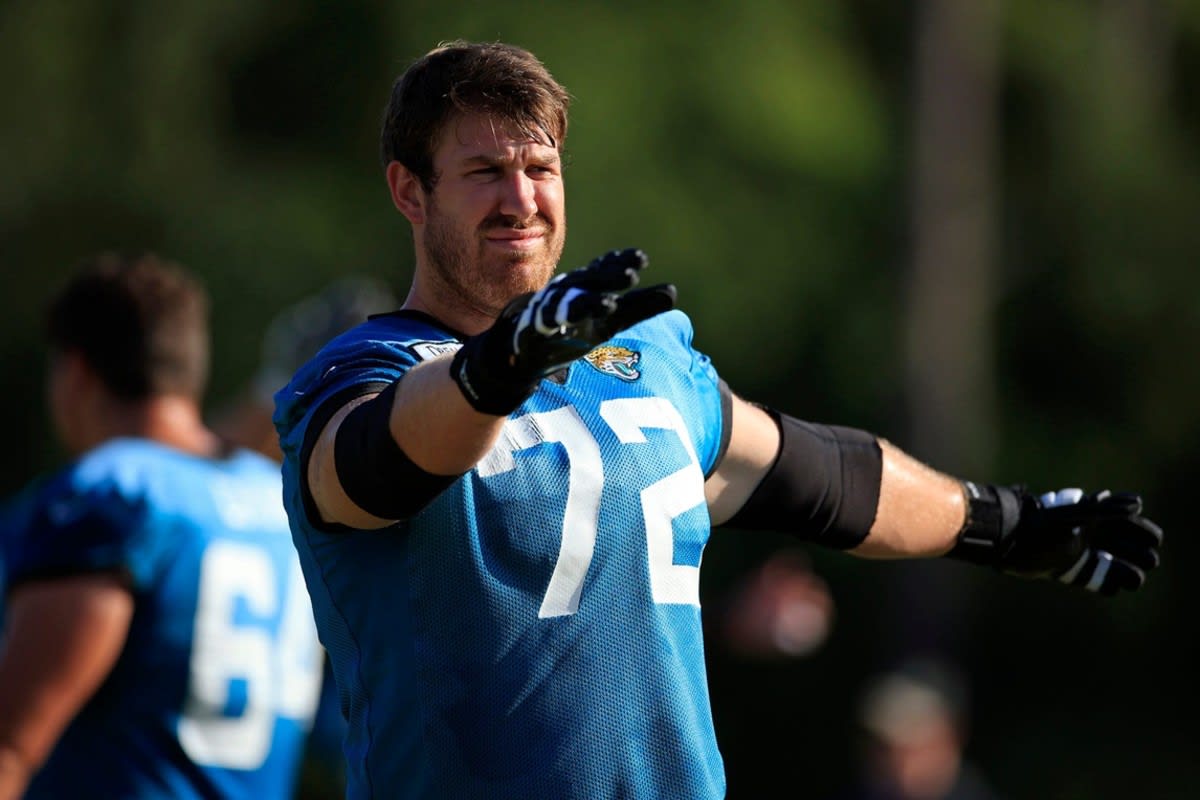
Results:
x,y
915,728
15,513
159,640
501,492
293,335
779,610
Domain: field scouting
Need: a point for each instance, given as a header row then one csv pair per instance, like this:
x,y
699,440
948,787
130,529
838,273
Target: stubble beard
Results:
x,y
485,283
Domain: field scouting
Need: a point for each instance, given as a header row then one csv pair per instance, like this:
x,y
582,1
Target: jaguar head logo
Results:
x,y
620,362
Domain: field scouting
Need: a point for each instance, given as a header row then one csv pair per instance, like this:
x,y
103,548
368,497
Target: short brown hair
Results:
x,y
140,322
459,77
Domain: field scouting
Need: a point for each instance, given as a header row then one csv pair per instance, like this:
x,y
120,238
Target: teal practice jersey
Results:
x,y
535,631
215,689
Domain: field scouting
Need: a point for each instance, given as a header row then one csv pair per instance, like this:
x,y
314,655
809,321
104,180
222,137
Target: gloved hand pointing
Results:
x,y
543,331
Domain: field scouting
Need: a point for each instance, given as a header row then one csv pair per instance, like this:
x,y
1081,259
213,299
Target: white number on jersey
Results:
x,y
662,501
273,661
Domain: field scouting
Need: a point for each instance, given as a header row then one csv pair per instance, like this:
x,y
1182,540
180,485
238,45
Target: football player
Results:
x,y
159,639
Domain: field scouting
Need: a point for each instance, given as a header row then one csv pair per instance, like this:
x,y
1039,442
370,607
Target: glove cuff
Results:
x,y
489,390
992,514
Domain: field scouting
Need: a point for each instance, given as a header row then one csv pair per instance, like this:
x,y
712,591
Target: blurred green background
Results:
x,y
972,227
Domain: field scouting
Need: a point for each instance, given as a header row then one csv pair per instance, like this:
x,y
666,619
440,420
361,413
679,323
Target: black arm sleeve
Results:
x,y
823,486
374,472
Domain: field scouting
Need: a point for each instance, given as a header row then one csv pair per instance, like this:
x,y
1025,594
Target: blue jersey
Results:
x,y
215,689
9,525
15,513
535,631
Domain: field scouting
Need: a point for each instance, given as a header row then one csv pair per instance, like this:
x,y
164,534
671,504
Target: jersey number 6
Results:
x,y
254,659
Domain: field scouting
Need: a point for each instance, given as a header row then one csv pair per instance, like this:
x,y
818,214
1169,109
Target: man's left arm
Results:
x,y
848,489
909,509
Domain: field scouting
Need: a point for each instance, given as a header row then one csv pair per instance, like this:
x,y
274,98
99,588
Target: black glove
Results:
x,y
543,331
1099,541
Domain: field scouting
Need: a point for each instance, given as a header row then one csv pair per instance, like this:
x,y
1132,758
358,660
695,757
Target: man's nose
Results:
x,y
519,198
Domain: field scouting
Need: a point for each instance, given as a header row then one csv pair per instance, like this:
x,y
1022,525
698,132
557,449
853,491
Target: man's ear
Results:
x,y
73,395
77,375
407,194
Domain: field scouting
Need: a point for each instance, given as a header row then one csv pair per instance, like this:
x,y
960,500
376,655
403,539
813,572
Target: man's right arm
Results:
x,y
429,420
383,457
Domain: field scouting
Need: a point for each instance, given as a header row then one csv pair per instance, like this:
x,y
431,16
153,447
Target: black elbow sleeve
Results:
x,y
374,471
823,486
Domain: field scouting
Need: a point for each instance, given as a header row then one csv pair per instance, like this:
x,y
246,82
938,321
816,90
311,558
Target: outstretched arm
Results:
x,y
437,421
431,425
916,511
920,512
848,489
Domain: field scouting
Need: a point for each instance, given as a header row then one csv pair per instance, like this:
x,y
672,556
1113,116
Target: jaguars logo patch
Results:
x,y
620,362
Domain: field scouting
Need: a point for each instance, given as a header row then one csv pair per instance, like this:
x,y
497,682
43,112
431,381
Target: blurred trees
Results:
x,y
765,156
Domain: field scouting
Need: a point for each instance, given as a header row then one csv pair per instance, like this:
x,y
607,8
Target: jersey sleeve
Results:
x,y
16,513
356,363
715,404
88,523
364,360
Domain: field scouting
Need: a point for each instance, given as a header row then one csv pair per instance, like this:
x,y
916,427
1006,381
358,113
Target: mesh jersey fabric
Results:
x,y
535,631
217,684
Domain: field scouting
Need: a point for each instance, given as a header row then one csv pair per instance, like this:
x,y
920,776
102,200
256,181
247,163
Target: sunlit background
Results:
x,y
971,227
